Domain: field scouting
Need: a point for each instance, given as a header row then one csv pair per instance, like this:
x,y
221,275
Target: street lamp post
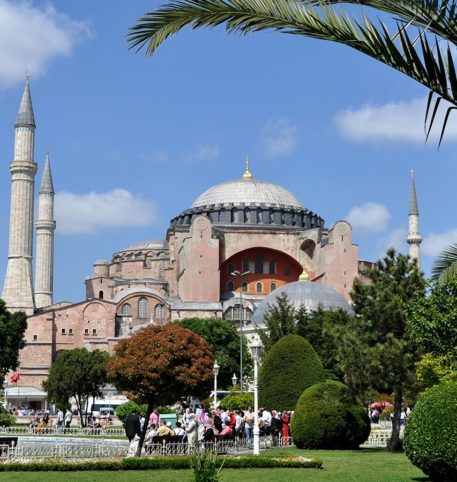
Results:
x,y
215,373
255,350
234,379
241,276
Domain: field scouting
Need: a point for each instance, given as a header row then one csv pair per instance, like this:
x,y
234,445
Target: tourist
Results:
x,y
192,432
154,418
68,418
164,430
285,428
60,418
179,431
266,417
249,423
132,426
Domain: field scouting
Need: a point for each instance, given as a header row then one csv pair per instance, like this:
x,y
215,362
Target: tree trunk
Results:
x,y
394,442
145,428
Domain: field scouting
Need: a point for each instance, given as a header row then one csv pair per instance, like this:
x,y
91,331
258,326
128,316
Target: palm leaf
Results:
x,y
318,19
445,266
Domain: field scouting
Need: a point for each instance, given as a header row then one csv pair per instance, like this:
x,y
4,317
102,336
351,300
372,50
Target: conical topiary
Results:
x,y
290,367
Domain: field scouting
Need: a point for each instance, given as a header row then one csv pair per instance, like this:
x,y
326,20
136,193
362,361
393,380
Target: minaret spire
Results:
x,y
45,227
414,238
18,289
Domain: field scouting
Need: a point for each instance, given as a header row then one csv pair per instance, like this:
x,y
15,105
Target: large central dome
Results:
x,y
252,202
248,191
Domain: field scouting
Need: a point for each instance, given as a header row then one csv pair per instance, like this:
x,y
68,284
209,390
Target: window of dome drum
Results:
x,y
244,286
258,288
272,286
142,308
100,294
230,286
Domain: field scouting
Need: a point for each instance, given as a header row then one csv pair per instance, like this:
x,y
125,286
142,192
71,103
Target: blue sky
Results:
x,y
133,141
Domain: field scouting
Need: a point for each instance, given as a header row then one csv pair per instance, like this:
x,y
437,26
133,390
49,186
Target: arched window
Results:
x,y
100,294
244,286
272,267
143,308
258,287
230,268
159,314
230,286
126,310
272,286
259,264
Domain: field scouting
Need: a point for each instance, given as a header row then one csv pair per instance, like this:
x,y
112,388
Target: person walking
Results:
x,y
132,426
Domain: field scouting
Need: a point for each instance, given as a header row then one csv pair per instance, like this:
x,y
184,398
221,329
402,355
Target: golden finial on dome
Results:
x,y
304,276
247,173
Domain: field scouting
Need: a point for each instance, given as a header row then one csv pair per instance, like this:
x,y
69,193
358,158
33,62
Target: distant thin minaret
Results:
x,y
18,287
414,238
45,226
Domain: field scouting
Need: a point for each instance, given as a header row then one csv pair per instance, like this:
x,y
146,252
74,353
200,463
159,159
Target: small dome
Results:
x,y
304,293
154,244
248,191
101,262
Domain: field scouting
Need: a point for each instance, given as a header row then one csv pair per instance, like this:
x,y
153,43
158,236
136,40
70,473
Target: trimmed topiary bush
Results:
x,y
238,401
328,416
290,366
431,432
6,419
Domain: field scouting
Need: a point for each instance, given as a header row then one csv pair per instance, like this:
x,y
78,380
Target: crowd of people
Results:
x,y
201,426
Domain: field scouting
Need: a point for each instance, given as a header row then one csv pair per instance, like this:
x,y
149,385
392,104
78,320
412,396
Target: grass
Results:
x,y
362,466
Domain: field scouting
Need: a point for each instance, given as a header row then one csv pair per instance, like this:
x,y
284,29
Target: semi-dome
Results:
x,y
312,295
248,191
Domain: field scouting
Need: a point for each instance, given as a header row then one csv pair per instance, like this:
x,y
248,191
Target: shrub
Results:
x,y
6,419
161,463
290,366
238,401
328,416
127,408
431,431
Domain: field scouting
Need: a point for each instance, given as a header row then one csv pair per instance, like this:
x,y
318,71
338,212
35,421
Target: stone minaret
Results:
x,y
18,290
45,226
414,238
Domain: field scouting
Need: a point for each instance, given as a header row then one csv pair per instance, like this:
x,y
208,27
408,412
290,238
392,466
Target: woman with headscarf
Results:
x,y
192,432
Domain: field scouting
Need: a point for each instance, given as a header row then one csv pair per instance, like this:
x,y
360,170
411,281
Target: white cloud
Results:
x,y
278,138
88,213
435,243
203,153
30,37
396,239
394,121
369,218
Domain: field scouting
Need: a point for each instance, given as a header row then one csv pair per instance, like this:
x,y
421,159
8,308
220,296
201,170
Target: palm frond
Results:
x,y
414,57
445,266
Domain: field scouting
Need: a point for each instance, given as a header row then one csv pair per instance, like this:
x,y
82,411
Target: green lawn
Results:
x,y
365,465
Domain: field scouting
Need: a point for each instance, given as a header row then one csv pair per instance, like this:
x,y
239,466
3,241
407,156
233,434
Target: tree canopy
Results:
x,y
160,365
12,329
377,348
77,373
224,341
414,48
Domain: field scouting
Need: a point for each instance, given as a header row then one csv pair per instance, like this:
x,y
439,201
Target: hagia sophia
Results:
x,y
239,243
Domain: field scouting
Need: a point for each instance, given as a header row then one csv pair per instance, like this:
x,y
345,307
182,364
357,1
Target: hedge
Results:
x,y
162,463
328,416
431,433
290,366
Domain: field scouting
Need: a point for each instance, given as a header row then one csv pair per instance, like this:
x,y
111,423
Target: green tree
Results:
x,y
289,367
159,365
412,49
316,327
78,374
279,320
224,341
434,369
237,400
12,329
377,348
127,408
